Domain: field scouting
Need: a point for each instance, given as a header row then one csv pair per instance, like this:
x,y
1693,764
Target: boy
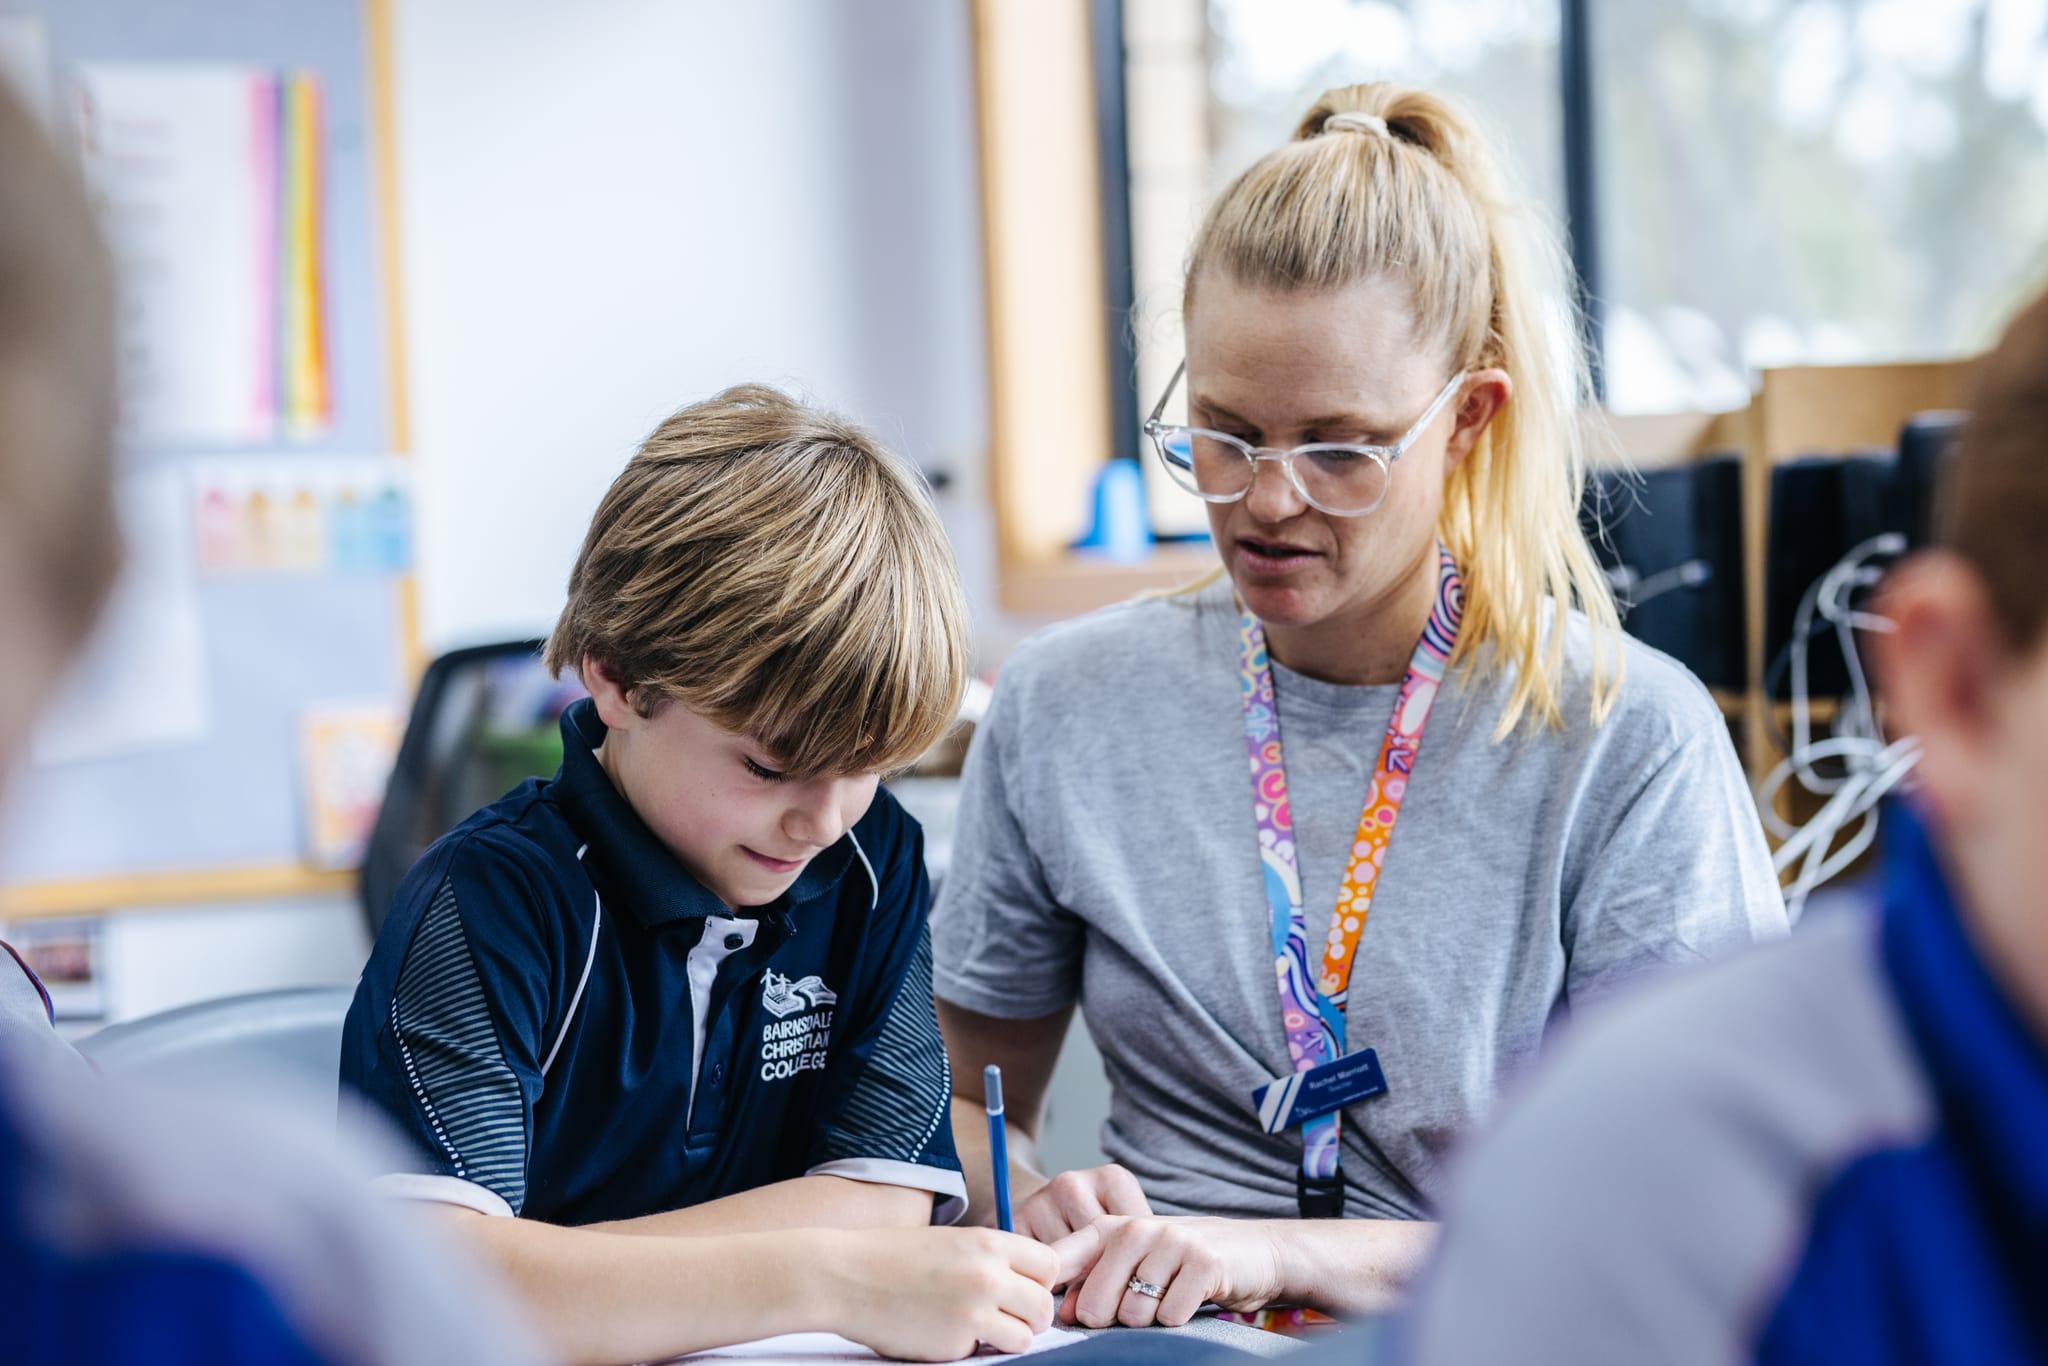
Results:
x,y
684,987
1830,1150
150,1228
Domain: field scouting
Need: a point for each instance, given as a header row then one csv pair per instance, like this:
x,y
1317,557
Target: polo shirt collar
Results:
x,y
1982,1059
655,886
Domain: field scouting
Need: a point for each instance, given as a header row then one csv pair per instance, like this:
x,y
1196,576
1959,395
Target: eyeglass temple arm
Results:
x,y
1429,415
1171,384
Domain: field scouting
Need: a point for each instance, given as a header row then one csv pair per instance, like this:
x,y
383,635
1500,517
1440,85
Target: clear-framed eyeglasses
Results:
x,y
1341,478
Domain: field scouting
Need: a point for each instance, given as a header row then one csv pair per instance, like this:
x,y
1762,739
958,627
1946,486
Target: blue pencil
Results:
x,y
998,1141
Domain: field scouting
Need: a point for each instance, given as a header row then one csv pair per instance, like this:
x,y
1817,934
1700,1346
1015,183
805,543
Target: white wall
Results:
x,y
613,208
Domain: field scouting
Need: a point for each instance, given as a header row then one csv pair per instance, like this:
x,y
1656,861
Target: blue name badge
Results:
x,y
1287,1101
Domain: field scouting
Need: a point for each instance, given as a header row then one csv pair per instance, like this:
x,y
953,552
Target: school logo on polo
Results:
x,y
795,1042
784,998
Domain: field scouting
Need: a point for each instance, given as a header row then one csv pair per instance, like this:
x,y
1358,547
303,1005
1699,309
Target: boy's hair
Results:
x,y
56,381
1994,495
773,568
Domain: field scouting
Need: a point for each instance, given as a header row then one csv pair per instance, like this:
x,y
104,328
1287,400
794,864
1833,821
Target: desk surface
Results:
x,y
1220,1331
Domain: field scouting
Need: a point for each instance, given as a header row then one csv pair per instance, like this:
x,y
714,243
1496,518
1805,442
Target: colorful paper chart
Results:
x,y
296,514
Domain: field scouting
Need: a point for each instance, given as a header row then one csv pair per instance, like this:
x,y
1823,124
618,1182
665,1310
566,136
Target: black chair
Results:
x,y
484,719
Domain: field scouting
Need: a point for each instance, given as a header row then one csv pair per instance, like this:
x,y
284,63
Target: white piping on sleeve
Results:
x,y
596,924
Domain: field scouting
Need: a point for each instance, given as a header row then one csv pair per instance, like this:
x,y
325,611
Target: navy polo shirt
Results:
x,y
571,1027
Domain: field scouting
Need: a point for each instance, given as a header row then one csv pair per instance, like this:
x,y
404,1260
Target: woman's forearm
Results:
x,y
1347,1267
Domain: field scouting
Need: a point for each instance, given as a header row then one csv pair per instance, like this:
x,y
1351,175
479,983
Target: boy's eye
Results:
x,y
765,774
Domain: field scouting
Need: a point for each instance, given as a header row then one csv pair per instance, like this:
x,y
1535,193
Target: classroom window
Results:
x,y
1805,181
1778,182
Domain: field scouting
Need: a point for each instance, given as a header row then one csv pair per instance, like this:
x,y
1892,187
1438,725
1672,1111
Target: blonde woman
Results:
x,y
1162,815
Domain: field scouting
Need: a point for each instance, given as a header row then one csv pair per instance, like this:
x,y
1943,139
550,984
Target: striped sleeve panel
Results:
x,y
466,1091
904,1093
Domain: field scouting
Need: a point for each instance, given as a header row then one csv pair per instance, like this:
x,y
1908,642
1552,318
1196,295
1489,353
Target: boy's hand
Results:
x,y
1073,1200
1234,1263
932,1294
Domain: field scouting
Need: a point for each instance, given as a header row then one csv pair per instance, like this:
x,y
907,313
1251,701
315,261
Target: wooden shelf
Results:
x,y
1071,584
91,896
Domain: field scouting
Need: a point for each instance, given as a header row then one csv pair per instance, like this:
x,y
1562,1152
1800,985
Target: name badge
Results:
x,y
1290,1100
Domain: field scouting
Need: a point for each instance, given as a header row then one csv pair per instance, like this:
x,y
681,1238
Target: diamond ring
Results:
x,y
1147,1289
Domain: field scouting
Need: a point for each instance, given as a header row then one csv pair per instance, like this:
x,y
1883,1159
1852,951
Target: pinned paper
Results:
x,y
347,753
211,180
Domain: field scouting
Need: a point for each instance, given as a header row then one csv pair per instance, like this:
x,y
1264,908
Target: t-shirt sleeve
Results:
x,y
889,1098
445,1035
1005,946
1682,875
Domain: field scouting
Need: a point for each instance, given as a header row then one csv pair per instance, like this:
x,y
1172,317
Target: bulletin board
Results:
x,y
209,803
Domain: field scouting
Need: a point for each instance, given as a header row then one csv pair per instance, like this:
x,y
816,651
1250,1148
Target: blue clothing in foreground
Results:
x,y
1825,1150
180,1226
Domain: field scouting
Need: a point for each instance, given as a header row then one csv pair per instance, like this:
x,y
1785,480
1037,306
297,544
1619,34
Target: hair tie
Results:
x,y
1358,123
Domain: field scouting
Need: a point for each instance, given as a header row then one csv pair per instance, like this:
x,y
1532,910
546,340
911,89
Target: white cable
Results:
x,y
1634,590
1870,767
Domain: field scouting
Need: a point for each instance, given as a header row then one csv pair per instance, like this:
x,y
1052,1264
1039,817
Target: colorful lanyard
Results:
x,y
1314,1017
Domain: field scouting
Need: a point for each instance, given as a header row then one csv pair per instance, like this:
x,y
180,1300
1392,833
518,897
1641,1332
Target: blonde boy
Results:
x,y
684,986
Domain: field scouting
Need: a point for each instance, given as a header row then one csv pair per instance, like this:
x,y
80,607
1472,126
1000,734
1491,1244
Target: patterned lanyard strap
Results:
x,y
1313,1015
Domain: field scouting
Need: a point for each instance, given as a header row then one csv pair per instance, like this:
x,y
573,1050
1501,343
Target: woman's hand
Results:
x,y
932,1294
1073,1200
1234,1263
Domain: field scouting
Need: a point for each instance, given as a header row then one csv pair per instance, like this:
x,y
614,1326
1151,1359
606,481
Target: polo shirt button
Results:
x,y
717,1073
734,941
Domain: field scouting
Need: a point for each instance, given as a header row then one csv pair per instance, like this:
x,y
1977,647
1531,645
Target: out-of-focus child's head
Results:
x,y
59,544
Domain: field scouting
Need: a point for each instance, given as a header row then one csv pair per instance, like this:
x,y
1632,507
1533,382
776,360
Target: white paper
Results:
x,y
800,1349
25,65
176,157
142,683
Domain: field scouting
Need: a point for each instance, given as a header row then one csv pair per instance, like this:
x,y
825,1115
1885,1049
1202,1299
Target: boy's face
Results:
x,y
1979,706
719,801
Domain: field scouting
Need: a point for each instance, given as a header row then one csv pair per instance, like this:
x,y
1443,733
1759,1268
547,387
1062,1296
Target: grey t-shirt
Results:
x,y
1106,854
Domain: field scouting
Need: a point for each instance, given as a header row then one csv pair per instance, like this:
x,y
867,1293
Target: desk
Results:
x,y
1222,1332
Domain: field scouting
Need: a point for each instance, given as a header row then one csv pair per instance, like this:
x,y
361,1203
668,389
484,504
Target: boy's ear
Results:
x,y
614,703
1939,670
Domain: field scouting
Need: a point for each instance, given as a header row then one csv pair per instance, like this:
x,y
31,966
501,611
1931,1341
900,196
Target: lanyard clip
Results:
x,y
1319,1197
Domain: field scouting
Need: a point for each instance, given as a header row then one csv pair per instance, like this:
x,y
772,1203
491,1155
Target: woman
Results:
x,y
1383,399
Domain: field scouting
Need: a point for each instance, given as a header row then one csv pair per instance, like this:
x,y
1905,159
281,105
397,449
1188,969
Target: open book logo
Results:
x,y
784,998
